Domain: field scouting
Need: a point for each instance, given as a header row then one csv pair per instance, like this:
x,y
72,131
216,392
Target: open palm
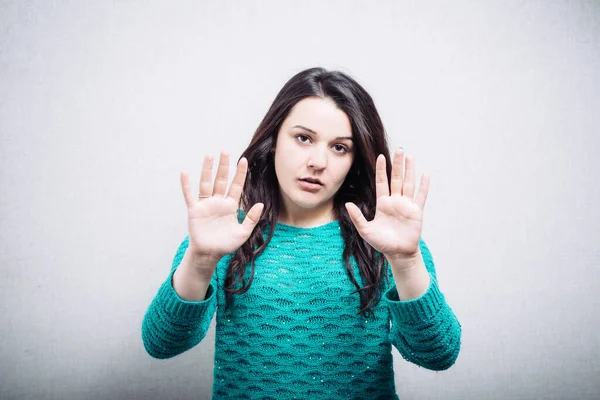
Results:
x,y
396,229
213,227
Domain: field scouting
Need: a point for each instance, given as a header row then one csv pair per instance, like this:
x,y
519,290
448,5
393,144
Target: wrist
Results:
x,y
199,265
405,263
410,276
200,260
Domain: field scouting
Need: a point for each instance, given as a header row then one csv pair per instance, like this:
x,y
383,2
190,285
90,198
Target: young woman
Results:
x,y
308,258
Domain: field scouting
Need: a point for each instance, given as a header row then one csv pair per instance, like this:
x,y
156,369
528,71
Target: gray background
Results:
x,y
101,106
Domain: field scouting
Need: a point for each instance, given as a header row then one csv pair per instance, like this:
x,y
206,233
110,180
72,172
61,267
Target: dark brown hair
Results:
x,y
262,186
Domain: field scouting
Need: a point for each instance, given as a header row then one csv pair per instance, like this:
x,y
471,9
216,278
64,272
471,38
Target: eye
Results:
x,y
343,150
299,137
339,148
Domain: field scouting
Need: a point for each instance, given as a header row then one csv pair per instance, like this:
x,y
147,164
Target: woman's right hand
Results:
x,y
213,227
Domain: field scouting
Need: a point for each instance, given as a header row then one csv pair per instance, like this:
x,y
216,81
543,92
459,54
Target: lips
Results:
x,y
311,186
312,180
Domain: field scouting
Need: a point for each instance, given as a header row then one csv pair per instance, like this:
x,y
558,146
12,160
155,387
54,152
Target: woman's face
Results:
x,y
314,142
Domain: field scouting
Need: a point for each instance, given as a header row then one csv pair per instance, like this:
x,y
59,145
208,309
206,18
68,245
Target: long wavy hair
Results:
x,y
358,187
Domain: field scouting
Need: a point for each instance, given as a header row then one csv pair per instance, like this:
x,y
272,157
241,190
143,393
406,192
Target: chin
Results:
x,y
303,203
305,200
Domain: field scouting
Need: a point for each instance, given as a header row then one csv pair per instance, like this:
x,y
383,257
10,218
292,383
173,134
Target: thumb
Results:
x,y
252,217
357,217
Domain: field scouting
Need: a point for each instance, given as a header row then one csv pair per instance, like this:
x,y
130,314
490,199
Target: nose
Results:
x,y
317,159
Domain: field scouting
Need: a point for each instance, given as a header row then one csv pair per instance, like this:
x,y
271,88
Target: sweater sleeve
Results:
x,y
172,325
424,330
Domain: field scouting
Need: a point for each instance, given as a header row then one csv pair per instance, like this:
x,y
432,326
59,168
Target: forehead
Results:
x,y
319,115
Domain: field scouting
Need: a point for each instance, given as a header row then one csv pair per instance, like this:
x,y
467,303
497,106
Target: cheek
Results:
x,y
340,180
344,170
290,160
285,164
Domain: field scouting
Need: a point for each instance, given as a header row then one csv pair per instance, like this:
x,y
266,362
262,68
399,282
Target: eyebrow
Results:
x,y
311,131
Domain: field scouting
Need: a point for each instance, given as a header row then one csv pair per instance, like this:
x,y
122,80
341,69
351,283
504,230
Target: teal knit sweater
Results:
x,y
296,334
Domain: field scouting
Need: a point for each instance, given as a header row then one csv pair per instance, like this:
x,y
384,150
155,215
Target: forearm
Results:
x,y
424,327
189,282
410,275
173,324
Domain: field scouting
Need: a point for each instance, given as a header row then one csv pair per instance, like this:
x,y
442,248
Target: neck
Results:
x,y
306,218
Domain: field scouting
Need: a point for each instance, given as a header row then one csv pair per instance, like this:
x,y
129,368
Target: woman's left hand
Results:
x,y
395,230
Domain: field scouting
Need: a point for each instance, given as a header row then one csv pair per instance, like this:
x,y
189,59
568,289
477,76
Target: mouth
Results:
x,y
310,184
312,180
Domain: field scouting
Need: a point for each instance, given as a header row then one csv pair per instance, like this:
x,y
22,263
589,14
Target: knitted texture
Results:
x,y
296,334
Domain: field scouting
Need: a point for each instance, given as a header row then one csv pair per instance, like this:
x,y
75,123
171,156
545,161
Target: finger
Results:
x,y
206,176
185,188
222,175
396,182
357,217
423,190
381,183
408,187
252,217
237,185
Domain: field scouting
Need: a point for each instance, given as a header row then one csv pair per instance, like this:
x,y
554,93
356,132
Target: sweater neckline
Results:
x,y
333,226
